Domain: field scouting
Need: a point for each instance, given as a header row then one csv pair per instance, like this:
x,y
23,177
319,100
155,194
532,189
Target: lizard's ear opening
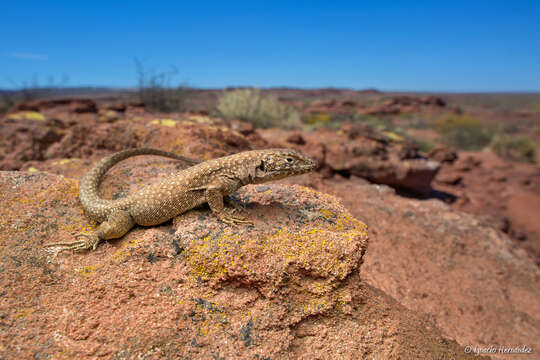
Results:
x,y
261,166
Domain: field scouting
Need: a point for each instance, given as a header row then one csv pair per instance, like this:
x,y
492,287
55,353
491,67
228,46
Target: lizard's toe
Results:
x,y
233,220
90,242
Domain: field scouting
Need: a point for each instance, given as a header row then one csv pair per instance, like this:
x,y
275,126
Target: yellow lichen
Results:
x,y
120,255
29,115
393,136
24,312
86,271
212,258
165,122
202,119
64,161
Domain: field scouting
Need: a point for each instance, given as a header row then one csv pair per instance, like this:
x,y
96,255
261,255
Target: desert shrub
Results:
x,y
316,119
510,128
262,111
424,145
383,123
7,101
11,98
157,94
517,148
464,132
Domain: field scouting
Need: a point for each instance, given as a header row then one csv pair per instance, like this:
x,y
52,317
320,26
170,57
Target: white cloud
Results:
x,y
29,56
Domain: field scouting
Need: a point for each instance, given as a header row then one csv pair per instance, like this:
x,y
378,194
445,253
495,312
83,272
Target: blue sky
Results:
x,y
389,45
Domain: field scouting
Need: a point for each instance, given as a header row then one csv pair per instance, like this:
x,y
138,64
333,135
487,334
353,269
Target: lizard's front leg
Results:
x,y
117,225
214,197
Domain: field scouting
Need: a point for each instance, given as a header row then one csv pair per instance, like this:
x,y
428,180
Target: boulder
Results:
x,y
479,286
380,157
288,287
75,105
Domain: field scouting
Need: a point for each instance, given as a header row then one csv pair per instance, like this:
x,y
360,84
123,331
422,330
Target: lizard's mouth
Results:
x,y
308,166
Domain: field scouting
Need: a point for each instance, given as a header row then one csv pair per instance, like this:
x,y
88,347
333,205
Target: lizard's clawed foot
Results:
x,y
91,241
233,220
235,204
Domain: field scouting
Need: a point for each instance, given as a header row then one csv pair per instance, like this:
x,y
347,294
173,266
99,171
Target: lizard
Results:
x,y
204,182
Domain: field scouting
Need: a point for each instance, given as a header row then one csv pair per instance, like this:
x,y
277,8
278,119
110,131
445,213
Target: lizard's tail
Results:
x,y
88,191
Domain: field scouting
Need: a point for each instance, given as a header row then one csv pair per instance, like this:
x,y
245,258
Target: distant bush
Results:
x,y
29,91
517,148
157,94
384,123
317,119
464,132
7,101
424,145
262,111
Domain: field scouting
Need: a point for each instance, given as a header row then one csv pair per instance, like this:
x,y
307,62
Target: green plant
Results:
x,y
517,148
262,111
464,132
317,119
8,100
156,92
424,145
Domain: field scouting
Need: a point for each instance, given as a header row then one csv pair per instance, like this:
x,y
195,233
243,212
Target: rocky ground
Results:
x,y
300,284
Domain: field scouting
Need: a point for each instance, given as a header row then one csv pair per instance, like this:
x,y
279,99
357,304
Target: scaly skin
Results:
x,y
206,182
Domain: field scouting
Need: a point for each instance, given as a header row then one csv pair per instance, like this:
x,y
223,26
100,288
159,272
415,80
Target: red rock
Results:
x,y
79,106
443,154
347,103
24,140
363,151
487,189
459,271
296,138
451,179
116,106
523,212
326,103
289,287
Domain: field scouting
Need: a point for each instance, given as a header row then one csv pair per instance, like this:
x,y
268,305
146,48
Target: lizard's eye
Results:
x,y
261,166
289,160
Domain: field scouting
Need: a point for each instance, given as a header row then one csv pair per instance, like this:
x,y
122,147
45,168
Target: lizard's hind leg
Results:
x,y
117,225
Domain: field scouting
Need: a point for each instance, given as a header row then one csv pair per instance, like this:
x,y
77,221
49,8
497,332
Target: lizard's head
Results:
x,y
275,164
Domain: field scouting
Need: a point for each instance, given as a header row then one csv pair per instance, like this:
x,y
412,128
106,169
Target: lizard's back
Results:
x,y
167,198
98,208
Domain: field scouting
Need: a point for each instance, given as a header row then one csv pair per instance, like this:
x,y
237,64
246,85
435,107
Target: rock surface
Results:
x,y
58,134
478,285
79,106
289,287
502,194
453,267
388,106
362,151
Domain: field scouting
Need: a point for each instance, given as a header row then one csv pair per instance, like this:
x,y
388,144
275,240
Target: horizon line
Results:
x,y
282,87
